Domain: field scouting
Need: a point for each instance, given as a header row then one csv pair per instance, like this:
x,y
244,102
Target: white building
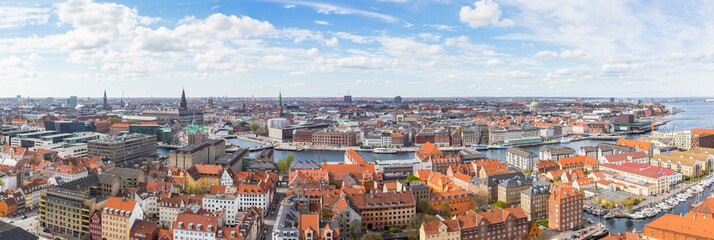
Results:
x,y
195,227
227,177
148,202
254,194
169,209
228,204
403,166
65,149
67,173
372,141
521,158
277,122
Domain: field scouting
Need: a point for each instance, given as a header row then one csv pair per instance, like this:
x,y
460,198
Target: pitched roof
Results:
x,y
641,145
426,150
670,225
675,159
625,156
577,160
430,228
208,169
706,207
121,204
355,157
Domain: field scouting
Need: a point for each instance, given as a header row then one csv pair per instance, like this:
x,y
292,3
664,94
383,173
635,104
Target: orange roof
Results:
x,y
208,168
641,145
698,131
121,204
426,150
311,222
355,157
462,177
672,226
431,228
577,160
559,192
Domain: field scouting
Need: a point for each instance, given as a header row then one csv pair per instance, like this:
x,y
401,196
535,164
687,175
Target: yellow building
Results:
x,y
442,230
616,199
204,176
689,167
118,216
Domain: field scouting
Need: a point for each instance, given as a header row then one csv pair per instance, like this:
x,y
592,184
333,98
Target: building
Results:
x,y
521,158
169,209
198,153
637,145
616,199
384,210
335,138
67,211
545,166
124,148
556,154
534,202
95,225
144,230
312,228
509,191
440,230
620,158
661,178
695,225
441,163
420,190
118,217
565,207
227,203
689,167
584,163
197,227
497,224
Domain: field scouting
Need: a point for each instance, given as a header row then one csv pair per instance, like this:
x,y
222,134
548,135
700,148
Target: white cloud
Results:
x,y
297,73
322,22
573,54
494,62
618,68
484,13
15,17
546,55
406,46
289,6
399,1
275,59
442,27
326,8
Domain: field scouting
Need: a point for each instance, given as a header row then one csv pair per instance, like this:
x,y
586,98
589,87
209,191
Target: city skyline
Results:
x,y
380,48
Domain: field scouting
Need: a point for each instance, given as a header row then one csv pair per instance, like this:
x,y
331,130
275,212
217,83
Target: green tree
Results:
x,y
424,206
355,229
113,119
372,236
412,178
481,202
629,206
501,204
2,183
445,210
284,164
254,126
394,230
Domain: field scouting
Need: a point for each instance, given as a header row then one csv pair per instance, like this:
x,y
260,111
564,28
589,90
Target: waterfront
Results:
x,y
618,225
695,115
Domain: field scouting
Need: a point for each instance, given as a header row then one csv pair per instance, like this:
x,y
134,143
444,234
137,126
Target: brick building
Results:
x,y
384,210
565,207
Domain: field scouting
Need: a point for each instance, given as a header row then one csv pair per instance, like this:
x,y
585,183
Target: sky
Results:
x,y
380,48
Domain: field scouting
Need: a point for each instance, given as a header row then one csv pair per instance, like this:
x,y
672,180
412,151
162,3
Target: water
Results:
x,y
695,115
618,225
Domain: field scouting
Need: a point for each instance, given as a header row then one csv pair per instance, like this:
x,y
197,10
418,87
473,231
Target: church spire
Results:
x,y
105,103
183,104
280,102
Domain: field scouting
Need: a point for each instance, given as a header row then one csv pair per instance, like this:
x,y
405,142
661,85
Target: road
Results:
x,y
30,224
269,219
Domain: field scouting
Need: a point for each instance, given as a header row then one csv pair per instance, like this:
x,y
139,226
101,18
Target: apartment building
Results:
x,y
118,216
441,163
657,176
227,203
335,138
565,207
620,158
440,230
584,163
67,212
689,167
534,202
384,210
169,209
196,227
556,154
509,191
497,224
521,158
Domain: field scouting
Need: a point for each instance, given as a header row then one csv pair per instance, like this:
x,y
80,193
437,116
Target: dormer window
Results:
x,y
190,226
180,224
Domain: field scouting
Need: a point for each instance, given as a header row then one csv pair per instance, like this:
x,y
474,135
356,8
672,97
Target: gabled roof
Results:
x,y
426,150
640,145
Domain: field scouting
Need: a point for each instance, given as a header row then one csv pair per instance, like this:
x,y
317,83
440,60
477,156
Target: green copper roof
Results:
x,y
193,129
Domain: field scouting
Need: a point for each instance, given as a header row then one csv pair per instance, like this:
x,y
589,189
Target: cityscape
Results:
x,y
356,120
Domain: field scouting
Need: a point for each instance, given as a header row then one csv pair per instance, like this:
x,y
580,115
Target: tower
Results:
x,y
183,105
105,103
280,102
121,103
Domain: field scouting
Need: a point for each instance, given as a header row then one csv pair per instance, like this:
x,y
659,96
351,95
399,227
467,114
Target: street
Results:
x,y
269,220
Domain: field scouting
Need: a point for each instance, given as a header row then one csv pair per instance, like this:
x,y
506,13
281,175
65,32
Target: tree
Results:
x,y
372,236
2,183
412,178
629,206
254,127
480,202
355,229
501,204
284,164
445,210
424,206
113,119
394,230
325,213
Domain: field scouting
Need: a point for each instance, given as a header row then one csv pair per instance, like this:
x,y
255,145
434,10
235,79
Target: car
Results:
x,y
265,231
37,217
47,230
58,239
573,237
11,221
23,217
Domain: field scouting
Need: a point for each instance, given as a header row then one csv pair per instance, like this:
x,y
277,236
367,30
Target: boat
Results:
x,y
609,215
497,147
480,147
567,140
384,150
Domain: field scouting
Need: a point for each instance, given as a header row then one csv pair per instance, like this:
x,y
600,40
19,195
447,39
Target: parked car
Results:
x,y
23,217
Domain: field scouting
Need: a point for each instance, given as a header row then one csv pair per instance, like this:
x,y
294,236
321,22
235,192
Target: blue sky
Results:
x,y
414,48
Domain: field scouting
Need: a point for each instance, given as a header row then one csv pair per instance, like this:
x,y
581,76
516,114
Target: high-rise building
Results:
x,y
347,99
565,207
280,103
398,99
72,102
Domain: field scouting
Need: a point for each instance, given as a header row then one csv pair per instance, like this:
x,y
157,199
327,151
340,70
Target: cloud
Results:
x,y
326,8
494,62
546,55
16,17
322,22
442,27
297,73
275,59
289,6
565,54
484,13
398,1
